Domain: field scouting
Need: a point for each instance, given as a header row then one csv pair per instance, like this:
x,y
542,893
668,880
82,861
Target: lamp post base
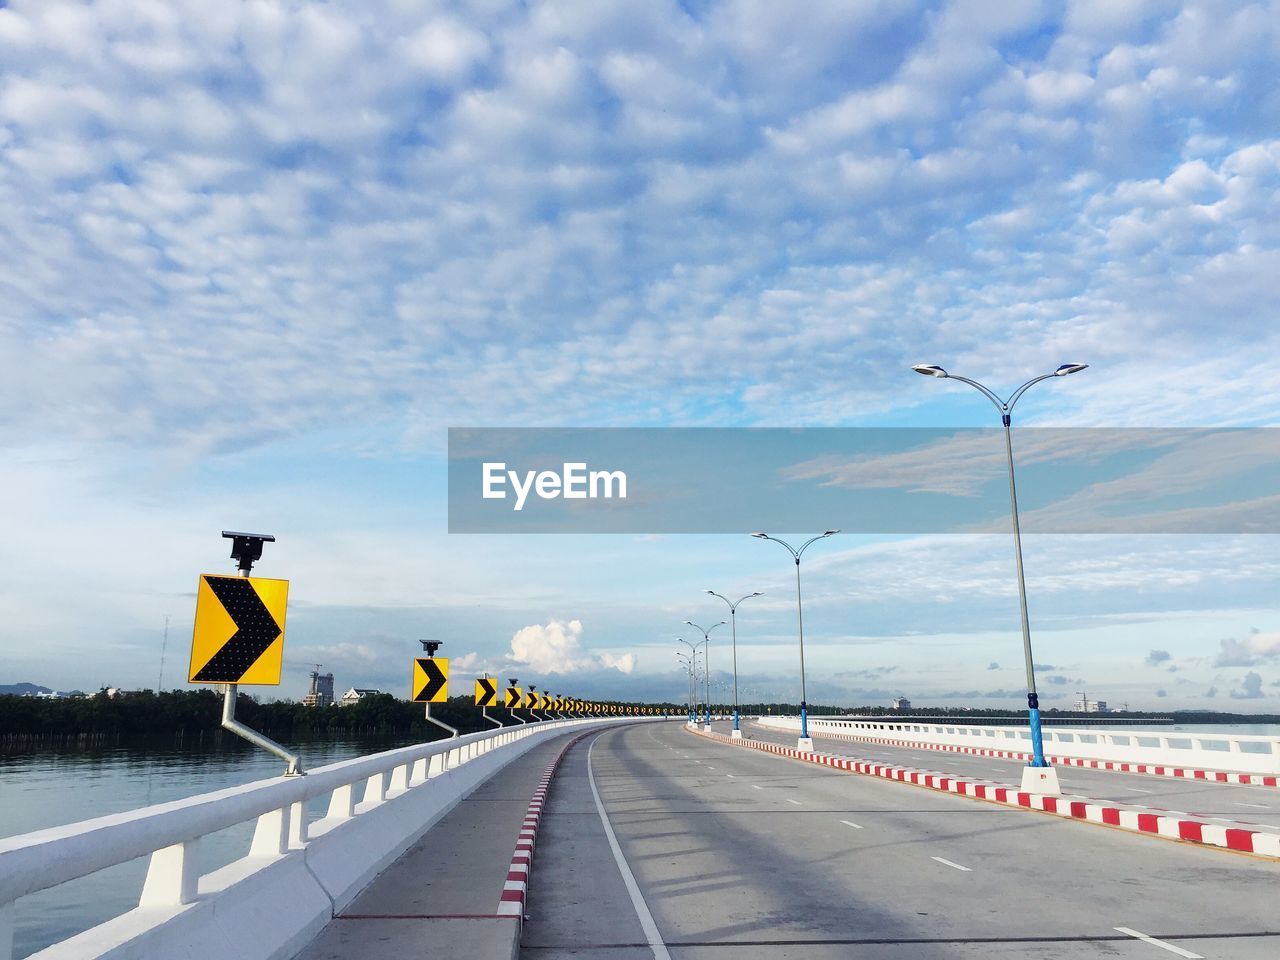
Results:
x,y
707,726
1042,780
805,744
737,734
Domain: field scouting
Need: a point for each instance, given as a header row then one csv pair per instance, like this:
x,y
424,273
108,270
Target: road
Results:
x,y
1254,806
734,853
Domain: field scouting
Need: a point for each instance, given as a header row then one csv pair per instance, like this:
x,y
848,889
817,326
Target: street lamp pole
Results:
x,y
733,618
1039,777
806,742
693,650
688,664
706,661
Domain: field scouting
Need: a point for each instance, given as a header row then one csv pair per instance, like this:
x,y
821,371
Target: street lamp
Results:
x,y
706,661
806,742
693,652
689,665
733,617
1039,777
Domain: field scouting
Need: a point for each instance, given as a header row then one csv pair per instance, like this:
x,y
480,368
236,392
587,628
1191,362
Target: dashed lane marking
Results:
x,y
1178,951
948,863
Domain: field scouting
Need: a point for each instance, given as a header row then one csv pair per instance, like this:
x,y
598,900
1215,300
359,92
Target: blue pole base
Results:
x,y
735,719
804,721
1037,739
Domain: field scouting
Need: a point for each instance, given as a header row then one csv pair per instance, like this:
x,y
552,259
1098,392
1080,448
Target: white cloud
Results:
x,y
1254,648
556,647
1250,687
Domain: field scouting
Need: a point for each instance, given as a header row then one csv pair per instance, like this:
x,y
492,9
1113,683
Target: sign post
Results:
x,y
239,636
431,682
533,702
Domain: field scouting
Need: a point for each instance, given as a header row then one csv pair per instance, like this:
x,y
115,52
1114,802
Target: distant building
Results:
x,y
901,703
356,694
1085,705
321,693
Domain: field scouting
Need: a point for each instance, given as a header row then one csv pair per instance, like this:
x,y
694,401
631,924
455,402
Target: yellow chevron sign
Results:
x,y
514,696
486,692
239,630
430,680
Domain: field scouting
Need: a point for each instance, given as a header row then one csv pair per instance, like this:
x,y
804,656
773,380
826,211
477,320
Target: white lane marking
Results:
x,y
1159,943
731,776
796,802
756,786
637,898
850,823
1139,790
709,767
950,864
1260,806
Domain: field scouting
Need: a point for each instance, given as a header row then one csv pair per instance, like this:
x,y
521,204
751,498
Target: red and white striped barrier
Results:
x,y
1165,824
1214,776
516,888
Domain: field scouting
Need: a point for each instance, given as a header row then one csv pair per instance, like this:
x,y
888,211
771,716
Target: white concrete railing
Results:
x,y
295,876
1233,753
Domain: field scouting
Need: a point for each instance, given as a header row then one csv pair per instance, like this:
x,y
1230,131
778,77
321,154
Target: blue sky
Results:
x,y
256,259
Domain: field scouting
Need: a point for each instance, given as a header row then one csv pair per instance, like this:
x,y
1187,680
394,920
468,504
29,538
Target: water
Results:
x,y
55,787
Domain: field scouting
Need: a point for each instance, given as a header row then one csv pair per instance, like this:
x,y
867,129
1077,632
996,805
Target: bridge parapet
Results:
x,y
1237,753
295,876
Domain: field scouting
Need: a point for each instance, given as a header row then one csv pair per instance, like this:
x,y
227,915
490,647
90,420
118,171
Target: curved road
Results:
x,y
719,852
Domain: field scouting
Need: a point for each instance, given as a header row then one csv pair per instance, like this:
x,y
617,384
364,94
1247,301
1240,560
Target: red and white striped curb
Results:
x,y
511,903
1166,825
1215,776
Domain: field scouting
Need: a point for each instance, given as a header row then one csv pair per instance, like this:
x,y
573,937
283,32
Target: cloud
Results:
x,y
1211,693
993,665
1156,657
1162,693
556,647
1253,649
1250,687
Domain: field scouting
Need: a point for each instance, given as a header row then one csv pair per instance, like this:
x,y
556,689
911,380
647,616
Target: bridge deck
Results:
x,y
740,854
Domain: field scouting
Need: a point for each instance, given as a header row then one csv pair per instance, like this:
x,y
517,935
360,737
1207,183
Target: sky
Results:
x,y
256,259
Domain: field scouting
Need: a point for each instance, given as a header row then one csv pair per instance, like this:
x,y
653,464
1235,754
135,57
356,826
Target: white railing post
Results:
x,y
419,774
399,779
171,876
271,835
298,826
375,789
342,803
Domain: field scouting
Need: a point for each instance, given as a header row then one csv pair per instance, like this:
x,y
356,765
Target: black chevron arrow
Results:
x,y
513,698
486,689
435,680
257,630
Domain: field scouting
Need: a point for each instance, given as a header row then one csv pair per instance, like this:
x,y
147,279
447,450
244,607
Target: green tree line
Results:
x,y
195,713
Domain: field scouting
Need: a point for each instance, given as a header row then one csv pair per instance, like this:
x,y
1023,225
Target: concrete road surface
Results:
x,y
1254,807
719,852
